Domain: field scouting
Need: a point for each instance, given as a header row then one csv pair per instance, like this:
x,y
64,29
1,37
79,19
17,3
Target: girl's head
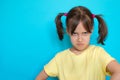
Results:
x,y
81,16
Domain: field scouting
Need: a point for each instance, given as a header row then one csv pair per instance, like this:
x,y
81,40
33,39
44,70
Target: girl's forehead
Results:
x,y
80,27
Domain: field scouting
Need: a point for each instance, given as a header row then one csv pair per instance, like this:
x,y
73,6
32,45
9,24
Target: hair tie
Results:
x,y
65,14
93,15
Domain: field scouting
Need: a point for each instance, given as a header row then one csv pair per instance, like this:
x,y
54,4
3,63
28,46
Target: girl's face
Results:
x,y
80,38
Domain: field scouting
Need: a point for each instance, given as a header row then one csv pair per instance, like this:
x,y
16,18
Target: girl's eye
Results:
x,y
85,33
74,34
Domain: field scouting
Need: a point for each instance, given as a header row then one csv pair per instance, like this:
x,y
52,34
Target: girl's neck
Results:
x,y
77,51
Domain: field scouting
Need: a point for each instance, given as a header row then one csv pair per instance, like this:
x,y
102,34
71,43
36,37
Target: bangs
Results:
x,y
73,23
88,25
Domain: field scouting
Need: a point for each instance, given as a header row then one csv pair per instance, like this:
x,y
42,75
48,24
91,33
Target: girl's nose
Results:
x,y
79,38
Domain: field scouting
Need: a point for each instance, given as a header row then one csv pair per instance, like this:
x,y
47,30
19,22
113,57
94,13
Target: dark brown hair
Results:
x,y
81,14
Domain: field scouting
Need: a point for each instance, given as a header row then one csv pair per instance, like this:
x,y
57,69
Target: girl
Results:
x,y
83,61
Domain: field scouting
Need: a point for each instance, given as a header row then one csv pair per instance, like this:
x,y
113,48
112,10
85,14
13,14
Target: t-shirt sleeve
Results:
x,y
105,59
51,68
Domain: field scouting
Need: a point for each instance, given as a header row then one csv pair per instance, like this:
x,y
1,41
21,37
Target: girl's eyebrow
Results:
x,y
85,31
75,32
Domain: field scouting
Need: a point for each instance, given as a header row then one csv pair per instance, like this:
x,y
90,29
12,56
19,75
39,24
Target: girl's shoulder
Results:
x,y
62,53
96,49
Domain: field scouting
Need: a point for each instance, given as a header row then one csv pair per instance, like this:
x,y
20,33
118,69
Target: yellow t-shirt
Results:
x,y
89,65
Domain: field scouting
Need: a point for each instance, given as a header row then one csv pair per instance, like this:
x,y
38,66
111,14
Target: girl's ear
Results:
x,y
67,32
92,29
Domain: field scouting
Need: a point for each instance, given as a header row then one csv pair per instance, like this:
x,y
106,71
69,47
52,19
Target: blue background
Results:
x,y
28,38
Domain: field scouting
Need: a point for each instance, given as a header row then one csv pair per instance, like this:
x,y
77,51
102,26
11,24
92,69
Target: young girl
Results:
x,y
83,61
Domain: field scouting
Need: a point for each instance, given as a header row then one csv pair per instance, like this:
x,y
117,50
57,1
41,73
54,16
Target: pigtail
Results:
x,y
102,29
59,25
